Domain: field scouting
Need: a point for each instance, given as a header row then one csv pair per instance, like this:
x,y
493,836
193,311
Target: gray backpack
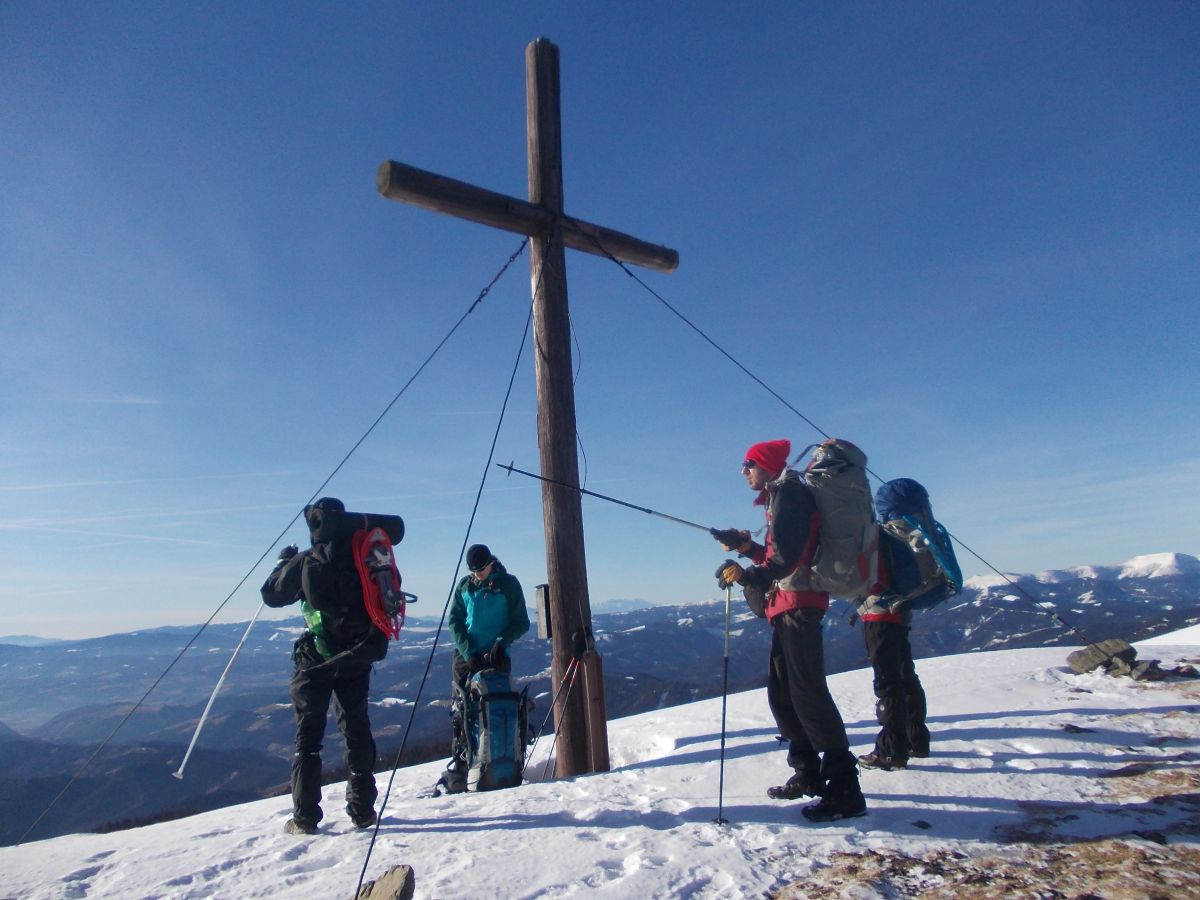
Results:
x,y
847,559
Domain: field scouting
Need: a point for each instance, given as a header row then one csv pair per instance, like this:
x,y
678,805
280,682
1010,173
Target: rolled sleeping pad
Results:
x,y
392,525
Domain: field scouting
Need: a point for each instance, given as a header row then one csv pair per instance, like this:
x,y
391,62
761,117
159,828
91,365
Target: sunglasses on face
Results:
x,y
481,568
748,465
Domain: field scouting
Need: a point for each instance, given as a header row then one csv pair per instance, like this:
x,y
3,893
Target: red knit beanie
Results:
x,y
772,456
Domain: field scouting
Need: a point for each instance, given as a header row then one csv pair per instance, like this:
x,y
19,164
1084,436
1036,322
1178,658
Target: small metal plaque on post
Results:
x,y
542,600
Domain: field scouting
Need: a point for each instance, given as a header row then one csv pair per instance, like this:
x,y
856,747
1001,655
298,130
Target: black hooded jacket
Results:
x,y
325,576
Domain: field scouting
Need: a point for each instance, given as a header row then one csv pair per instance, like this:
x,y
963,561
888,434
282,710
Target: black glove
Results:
x,y
729,573
477,661
495,657
285,554
305,653
732,539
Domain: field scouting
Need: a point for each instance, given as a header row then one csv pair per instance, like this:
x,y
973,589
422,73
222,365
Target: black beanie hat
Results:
x,y
478,556
323,518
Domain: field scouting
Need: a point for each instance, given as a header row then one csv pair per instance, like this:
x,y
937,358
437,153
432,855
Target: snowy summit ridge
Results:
x,y
1037,777
1152,565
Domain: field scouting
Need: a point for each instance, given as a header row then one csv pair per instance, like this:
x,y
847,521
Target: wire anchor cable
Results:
x,y
1016,587
568,678
449,597
659,297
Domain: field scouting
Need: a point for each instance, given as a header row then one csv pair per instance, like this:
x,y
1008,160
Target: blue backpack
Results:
x,y
924,570
497,726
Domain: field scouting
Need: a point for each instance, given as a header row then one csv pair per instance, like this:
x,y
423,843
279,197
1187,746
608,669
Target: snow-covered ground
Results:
x,y
1024,754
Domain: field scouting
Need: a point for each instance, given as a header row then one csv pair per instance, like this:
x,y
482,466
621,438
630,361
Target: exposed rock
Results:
x,y
1110,654
397,883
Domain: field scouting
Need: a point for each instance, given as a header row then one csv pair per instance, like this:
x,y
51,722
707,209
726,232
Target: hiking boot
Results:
x,y
918,752
842,805
294,827
363,820
876,760
453,780
802,784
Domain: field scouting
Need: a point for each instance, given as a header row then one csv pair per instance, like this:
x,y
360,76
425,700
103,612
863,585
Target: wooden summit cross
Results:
x,y
581,721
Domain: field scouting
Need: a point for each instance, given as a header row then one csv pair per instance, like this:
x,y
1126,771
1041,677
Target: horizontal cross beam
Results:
x,y
414,186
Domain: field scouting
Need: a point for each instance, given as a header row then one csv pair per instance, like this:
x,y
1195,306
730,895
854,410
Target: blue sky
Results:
x,y
964,236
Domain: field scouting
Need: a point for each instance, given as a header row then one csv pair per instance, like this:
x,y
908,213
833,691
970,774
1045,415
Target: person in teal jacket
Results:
x,y
486,615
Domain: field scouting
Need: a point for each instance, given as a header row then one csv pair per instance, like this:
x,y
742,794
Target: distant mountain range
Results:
x,y
63,698
27,640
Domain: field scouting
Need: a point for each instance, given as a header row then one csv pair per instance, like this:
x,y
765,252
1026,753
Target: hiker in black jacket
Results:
x,y
333,659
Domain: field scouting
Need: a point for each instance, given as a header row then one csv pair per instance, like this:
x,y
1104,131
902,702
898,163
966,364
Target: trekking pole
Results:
x,y
220,681
510,469
570,683
568,675
720,819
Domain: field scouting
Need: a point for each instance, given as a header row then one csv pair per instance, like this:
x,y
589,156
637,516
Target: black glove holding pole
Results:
x,y
729,573
733,539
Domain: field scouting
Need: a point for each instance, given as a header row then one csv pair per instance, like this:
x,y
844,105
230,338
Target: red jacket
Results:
x,y
778,582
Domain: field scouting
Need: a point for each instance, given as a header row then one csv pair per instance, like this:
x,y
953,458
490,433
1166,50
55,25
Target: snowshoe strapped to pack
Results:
x,y
376,564
924,570
847,559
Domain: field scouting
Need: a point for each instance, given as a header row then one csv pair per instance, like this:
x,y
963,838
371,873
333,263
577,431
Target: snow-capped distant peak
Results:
x,y
1152,565
1160,565
1056,576
983,582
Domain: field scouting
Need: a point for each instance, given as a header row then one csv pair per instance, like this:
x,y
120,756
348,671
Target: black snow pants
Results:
x,y
900,699
802,705
348,682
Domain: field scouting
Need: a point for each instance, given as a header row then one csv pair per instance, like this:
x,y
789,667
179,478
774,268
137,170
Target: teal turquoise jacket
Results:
x,y
491,610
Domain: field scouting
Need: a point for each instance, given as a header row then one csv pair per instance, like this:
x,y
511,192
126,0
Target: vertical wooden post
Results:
x,y
582,722
596,713
581,726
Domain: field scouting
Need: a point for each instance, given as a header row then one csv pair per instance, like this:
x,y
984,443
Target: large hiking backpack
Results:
x,y
364,569
847,559
924,570
497,729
